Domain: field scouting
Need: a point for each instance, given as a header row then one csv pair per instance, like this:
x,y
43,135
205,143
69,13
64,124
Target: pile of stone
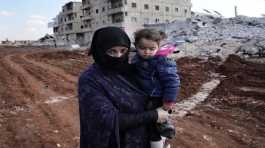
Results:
x,y
208,35
208,27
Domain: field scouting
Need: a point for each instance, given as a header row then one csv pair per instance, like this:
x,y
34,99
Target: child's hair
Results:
x,y
147,33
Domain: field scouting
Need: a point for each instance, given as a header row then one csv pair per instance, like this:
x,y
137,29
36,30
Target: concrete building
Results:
x,y
67,24
127,14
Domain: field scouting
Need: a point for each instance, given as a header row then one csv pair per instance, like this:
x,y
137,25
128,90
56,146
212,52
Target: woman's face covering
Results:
x,y
110,48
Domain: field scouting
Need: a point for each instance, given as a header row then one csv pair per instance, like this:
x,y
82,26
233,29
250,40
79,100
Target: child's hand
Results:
x,y
168,106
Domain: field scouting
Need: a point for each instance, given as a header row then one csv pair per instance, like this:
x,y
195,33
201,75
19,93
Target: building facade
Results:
x,y
127,14
67,24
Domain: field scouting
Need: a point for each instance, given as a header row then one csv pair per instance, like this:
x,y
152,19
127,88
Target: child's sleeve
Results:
x,y
168,78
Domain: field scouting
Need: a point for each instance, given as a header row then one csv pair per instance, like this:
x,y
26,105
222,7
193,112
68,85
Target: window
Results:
x,y
157,7
146,6
186,11
167,9
97,11
103,9
117,18
55,29
177,9
126,13
125,2
69,27
157,20
133,5
134,19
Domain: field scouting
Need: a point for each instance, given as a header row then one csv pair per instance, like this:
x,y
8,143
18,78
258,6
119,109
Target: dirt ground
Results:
x,y
38,103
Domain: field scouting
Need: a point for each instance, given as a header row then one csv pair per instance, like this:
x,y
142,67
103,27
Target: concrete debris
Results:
x,y
57,99
182,108
212,35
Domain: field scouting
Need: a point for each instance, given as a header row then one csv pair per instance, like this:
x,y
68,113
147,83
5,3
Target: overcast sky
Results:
x,y
28,19
226,7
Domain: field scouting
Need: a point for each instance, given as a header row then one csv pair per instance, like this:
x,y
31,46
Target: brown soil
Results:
x,y
233,114
231,117
71,62
193,73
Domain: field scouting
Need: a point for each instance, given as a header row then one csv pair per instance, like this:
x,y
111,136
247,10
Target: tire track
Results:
x,y
58,71
50,80
61,116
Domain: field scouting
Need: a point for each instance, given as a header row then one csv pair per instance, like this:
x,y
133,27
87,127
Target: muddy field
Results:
x,y
38,103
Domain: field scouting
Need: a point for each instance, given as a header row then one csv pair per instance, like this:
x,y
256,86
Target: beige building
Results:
x,y
67,24
127,14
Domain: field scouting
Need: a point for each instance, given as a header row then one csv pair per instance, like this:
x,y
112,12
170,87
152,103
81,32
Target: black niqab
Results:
x,y
106,38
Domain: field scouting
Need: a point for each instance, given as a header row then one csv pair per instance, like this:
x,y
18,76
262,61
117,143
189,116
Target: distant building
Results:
x,y
129,15
47,41
22,43
6,42
67,24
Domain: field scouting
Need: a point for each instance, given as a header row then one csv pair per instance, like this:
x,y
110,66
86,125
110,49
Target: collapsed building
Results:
x,y
45,41
78,20
212,35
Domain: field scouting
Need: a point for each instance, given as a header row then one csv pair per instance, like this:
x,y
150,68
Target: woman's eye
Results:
x,y
111,52
125,50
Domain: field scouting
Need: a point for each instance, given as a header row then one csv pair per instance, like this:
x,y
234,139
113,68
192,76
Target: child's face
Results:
x,y
147,48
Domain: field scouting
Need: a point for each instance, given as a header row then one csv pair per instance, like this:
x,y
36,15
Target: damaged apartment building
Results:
x,y
66,25
78,20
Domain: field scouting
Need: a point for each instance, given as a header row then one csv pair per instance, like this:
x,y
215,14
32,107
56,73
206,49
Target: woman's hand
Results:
x,y
162,115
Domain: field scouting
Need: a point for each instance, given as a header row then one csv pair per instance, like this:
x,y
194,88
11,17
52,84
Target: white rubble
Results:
x,y
182,108
212,35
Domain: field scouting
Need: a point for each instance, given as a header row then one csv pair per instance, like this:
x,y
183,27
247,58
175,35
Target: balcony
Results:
x,y
53,24
86,6
114,1
68,20
67,12
86,25
115,10
75,29
86,29
87,17
68,31
86,14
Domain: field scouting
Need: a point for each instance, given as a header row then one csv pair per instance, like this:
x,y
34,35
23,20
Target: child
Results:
x,y
157,74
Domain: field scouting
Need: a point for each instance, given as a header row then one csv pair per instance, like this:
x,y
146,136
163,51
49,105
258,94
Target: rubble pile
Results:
x,y
208,35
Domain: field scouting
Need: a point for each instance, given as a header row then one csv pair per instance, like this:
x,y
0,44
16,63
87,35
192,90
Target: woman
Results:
x,y
111,105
